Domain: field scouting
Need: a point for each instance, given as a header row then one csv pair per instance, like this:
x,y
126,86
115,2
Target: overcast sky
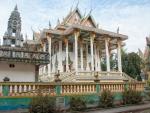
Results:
x,y
132,16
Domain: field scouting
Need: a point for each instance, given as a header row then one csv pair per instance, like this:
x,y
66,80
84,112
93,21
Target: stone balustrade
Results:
x,y
113,87
22,89
78,88
138,87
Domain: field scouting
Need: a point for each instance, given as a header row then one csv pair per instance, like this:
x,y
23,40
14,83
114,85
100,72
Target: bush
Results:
x,y
77,103
106,99
43,104
131,97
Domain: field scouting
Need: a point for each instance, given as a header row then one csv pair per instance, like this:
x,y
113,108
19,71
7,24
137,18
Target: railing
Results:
x,y
18,55
138,87
13,89
113,87
80,88
26,89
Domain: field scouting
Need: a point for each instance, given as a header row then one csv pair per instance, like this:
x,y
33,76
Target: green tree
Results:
x,y
113,63
43,104
131,64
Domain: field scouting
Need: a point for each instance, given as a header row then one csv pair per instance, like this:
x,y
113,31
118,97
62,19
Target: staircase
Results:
x,y
128,77
88,77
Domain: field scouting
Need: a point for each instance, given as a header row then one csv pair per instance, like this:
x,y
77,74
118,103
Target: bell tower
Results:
x,y
13,36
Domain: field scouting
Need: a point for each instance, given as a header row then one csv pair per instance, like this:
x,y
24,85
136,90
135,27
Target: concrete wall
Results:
x,y
20,73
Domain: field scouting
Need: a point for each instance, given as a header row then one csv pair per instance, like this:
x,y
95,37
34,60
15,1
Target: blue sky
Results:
x,y
132,16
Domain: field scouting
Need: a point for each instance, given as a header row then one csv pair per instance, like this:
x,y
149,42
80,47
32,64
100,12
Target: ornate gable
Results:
x,y
74,17
88,21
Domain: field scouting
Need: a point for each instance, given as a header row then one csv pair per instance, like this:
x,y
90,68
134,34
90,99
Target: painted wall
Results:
x,y
62,102
20,73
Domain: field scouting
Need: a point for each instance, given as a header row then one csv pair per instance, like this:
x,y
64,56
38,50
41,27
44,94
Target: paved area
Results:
x,y
128,109
16,111
125,109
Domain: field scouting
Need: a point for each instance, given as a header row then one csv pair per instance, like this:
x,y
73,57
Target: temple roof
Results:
x,y
73,27
75,21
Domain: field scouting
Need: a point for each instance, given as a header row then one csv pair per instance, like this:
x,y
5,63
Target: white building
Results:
x,y
19,61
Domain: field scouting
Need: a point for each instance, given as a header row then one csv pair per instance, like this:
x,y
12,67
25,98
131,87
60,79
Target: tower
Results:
x,y
13,36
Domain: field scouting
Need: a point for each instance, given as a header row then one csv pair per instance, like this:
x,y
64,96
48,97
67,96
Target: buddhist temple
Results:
x,y
19,59
76,47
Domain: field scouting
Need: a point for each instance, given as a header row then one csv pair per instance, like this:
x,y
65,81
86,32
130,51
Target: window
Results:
x,y
11,65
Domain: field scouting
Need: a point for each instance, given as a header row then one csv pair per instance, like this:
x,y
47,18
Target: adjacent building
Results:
x,y
19,59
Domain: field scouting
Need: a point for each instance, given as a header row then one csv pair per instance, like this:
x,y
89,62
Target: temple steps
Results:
x,y
89,77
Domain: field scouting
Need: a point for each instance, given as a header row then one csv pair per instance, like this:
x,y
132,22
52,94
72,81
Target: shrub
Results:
x,y
77,103
131,97
106,99
43,104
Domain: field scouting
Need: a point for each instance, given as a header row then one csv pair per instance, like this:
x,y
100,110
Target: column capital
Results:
x,y
65,40
92,35
48,35
107,39
77,32
119,41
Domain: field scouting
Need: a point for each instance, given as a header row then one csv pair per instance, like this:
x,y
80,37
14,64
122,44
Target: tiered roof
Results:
x,y
74,20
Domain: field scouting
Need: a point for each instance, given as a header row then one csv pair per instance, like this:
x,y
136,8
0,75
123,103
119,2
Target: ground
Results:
x,y
143,108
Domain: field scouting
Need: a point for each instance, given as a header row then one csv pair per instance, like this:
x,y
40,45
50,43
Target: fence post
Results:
x,y
126,85
58,85
58,89
97,88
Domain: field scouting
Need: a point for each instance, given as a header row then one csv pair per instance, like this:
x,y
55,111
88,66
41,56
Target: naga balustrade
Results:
x,y
21,89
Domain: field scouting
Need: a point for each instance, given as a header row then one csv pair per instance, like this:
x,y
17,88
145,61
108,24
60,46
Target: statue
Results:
x,y
57,79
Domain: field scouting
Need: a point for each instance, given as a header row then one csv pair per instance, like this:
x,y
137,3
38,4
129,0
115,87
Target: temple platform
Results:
x,y
88,77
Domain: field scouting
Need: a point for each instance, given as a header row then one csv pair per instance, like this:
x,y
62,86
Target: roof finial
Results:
x,y
32,29
58,21
118,30
84,13
77,4
49,25
90,11
97,25
72,6
26,37
16,8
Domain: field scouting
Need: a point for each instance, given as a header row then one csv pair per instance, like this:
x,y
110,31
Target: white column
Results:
x,y
99,59
119,56
81,55
67,55
92,54
60,67
50,55
95,57
44,67
87,54
107,54
76,52
53,59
